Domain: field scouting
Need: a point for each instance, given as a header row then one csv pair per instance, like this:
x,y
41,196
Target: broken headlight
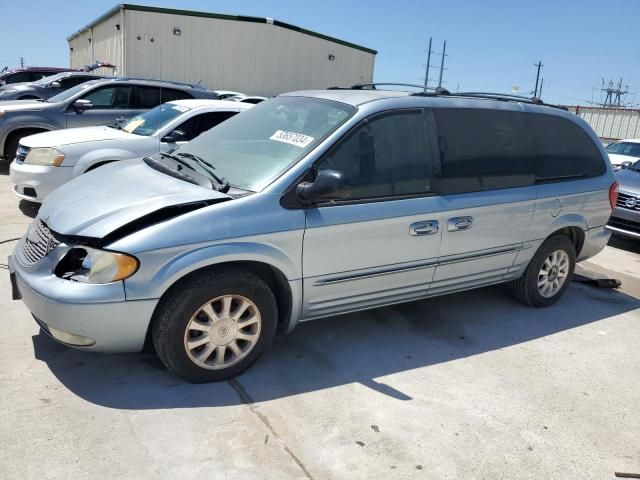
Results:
x,y
90,265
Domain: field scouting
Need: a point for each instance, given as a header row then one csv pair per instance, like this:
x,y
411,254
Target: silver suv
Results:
x,y
309,205
96,102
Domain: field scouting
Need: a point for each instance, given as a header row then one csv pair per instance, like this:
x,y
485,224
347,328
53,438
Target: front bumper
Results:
x,y
625,222
96,312
35,182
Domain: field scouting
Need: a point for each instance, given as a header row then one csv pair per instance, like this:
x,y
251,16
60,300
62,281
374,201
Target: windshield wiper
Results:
x,y
115,124
223,183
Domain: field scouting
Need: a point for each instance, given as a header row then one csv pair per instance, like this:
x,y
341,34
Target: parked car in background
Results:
x,y
224,94
28,74
45,87
31,74
623,151
96,102
309,205
247,99
625,219
47,160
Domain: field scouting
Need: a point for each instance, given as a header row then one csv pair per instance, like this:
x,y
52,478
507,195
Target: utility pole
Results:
x,y
444,49
541,83
21,62
539,65
426,74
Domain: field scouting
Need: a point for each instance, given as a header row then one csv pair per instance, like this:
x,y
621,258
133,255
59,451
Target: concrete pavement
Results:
x,y
472,386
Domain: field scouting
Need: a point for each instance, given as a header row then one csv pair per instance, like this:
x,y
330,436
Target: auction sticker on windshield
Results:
x,y
293,138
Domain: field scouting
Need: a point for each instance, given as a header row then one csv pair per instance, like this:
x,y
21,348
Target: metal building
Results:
x,y
258,56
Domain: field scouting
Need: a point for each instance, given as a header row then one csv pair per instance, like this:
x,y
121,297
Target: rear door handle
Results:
x,y
428,227
459,223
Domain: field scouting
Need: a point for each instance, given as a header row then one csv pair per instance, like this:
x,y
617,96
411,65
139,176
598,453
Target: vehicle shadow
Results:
x,y
355,348
626,244
30,209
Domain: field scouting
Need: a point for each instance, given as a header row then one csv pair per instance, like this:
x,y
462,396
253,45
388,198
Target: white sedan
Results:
x,y
627,150
47,160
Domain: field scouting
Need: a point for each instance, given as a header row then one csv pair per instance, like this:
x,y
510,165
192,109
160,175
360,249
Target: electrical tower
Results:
x,y
613,93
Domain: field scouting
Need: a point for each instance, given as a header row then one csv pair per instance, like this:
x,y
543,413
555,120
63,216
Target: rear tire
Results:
x,y
548,274
214,325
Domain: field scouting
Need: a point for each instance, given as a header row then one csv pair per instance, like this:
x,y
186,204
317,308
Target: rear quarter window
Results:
x,y
563,149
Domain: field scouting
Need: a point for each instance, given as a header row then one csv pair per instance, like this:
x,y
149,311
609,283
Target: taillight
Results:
x,y
613,194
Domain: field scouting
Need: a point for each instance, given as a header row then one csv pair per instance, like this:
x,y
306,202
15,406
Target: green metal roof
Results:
x,y
239,18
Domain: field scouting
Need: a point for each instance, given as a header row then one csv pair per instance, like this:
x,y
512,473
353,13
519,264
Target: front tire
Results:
x,y
215,324
548,274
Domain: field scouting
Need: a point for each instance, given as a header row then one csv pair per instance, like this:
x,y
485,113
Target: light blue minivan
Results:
x,y
314,204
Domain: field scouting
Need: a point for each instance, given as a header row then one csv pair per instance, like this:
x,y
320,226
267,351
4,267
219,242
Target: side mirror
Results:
x,y
81,105
175,136
626,164
328,185
55,85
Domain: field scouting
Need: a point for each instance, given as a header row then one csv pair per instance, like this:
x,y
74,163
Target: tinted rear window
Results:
x,y
170,94
563,149
146,97
483,149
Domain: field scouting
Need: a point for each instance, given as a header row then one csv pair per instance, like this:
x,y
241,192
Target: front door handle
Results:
x,y
428,227
459,223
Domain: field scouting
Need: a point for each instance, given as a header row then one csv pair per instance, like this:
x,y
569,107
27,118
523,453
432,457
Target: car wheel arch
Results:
x,y
572,226
271,275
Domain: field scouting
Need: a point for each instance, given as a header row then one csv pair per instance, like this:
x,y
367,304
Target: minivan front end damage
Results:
x,y
74,285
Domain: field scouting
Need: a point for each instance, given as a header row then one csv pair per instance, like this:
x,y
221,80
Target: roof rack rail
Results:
x,y
440,91
372,86
173,82
500,96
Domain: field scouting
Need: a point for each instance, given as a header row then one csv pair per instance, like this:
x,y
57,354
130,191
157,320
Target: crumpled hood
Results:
x,y
25,105
628,180
68,136
97,203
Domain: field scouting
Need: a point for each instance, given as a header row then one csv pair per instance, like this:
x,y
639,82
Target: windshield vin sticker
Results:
x,y
293,138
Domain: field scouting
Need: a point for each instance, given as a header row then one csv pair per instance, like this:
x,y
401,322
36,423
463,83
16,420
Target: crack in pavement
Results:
x,y
250,402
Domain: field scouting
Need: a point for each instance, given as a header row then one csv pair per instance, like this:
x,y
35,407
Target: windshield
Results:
x,y
49,79
61,97
150,122
624,148
252,149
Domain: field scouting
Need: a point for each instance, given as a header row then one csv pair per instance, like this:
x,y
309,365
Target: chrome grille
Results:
x,y
36,244
628,201
21,153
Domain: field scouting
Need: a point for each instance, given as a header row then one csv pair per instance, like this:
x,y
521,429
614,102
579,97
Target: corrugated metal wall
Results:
x,y
105,44
256,58
611,123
